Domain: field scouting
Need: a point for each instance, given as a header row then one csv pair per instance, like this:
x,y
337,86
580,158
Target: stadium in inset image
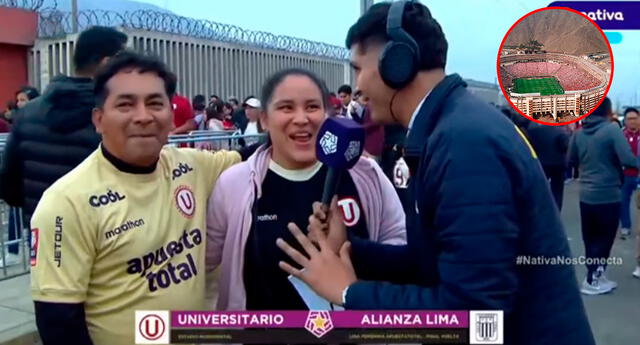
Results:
x,y
554,66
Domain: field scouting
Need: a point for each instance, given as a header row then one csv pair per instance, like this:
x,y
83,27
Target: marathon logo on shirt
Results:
x,y
105,199
182,169
57,242
170,274
129,225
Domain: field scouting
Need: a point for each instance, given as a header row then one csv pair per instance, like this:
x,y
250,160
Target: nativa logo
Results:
x,y
604,15
105,199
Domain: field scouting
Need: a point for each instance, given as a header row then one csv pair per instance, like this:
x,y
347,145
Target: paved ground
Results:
x,y
614,317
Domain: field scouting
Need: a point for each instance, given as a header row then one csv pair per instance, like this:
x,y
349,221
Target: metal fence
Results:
x,y
54,23
203,66
14,234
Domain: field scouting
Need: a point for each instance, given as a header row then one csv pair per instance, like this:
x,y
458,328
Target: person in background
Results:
x,y
214,117
55,132
183,116
5,126
200,114
227,117
636,271
601,152
335,106
632,134
551,144
214,99
240,116
252,109
355,110
11,108
247,210
26,94
234,103
344,94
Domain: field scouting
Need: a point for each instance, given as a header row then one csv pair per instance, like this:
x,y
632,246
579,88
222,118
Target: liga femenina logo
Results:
x,y
152,327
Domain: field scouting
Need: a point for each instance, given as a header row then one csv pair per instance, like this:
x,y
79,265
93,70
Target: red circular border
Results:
x,y
606,92
152,338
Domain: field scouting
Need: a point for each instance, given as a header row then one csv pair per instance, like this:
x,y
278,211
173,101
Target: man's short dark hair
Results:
x,y
345,89
631,109
94,44
416,21
132,60
604,109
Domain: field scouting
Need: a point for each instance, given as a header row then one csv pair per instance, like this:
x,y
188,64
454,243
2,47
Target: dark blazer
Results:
x,y
481,200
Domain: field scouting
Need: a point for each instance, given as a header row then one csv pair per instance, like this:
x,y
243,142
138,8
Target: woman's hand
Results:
x,y
328,223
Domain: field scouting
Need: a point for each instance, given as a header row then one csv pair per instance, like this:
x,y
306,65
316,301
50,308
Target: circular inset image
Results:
x,y
555,66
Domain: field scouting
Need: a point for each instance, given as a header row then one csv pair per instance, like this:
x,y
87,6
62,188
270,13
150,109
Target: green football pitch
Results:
x,y
545,86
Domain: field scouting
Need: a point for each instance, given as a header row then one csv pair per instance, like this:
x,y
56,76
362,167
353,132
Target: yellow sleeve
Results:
x,y
214,163
63,250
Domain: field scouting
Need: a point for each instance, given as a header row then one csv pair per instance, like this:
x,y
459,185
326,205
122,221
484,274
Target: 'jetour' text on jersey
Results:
x,y
164,277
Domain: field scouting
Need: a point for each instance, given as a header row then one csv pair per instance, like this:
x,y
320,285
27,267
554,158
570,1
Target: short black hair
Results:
x,y
274,80
416,21
199,102
94,44
234,101
30,91
345,89
631,109
126,60
604,109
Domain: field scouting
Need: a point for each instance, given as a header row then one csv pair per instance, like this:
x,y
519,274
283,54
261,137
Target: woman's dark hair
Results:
x,y
126,60
416,21
272,83
199,103
228,106
234,101
30,91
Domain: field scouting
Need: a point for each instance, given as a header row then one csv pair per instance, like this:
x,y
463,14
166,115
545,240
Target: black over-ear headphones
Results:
x,y
400,58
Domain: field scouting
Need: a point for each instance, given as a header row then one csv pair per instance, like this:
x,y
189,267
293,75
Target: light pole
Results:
x,y
74,15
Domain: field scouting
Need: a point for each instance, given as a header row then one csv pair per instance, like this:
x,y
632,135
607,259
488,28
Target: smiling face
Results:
x,y
136,117
293,117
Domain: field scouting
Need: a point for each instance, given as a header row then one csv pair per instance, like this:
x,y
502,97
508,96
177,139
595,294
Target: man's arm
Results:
x,y
188,126
379,261
62,255
11,187
213,164
62,323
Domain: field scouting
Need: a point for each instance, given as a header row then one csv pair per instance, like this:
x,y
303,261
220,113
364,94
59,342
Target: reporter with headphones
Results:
x,y
481,199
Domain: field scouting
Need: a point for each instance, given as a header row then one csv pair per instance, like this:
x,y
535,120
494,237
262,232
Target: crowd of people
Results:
x,y
603,158
570,77
447,196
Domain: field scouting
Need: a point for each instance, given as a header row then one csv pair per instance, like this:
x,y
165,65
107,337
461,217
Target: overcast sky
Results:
x,y
474,30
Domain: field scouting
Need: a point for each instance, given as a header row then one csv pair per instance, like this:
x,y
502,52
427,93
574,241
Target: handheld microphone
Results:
x,y
340,144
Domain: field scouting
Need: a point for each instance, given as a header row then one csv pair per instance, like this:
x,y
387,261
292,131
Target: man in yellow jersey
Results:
x,y
125,230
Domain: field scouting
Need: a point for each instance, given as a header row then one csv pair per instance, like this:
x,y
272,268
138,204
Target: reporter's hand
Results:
x,y
328,223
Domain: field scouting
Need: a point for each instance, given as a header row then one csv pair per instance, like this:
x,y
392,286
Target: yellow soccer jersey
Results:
x,y
121,242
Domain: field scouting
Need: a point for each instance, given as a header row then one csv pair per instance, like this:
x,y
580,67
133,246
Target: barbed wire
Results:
x,y
56,23
26,4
